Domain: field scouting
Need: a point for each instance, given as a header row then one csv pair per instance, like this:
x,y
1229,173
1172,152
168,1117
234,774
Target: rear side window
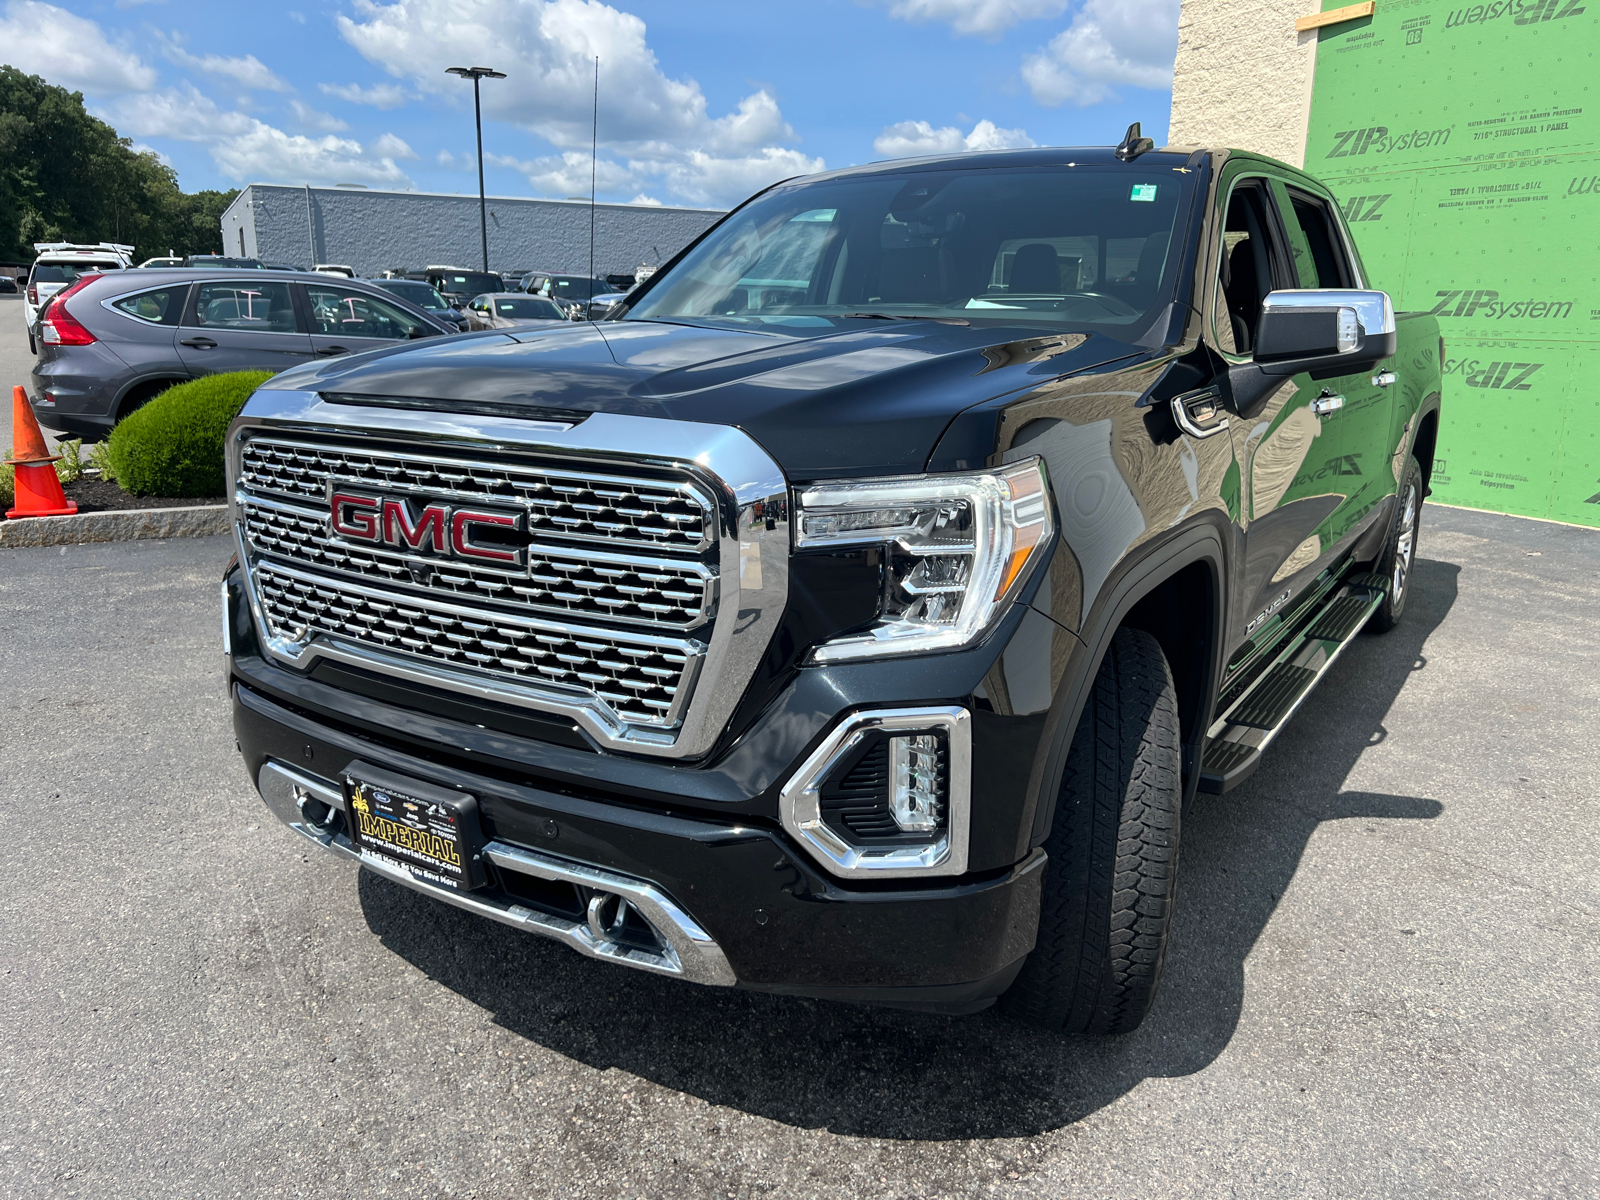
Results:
x,y
159,306
259,307
344,312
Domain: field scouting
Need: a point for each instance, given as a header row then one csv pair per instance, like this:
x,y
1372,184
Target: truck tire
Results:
x,y
1109,882
1400,550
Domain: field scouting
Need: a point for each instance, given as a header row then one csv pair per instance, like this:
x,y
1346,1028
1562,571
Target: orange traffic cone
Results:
x,y
39,492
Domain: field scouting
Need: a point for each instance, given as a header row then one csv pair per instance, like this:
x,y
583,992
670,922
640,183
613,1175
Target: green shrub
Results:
x,y
8,483
69,469
172,446
100,460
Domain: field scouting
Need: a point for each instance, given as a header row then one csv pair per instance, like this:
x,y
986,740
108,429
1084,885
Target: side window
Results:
x,y
1252,263
1314,239
257,307
344,312
160,306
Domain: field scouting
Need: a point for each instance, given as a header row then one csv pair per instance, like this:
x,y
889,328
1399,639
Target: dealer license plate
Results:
x,y
432,835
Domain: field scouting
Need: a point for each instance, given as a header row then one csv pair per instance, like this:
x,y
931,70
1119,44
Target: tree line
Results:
x,y
66,176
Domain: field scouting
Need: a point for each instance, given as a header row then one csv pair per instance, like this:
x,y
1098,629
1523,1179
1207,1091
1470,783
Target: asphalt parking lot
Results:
x,y
1383,982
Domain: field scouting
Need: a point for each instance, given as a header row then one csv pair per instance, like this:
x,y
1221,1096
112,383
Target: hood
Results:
x,y
825,398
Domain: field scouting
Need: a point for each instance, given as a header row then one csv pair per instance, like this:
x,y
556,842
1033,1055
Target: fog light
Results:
x,y
916,783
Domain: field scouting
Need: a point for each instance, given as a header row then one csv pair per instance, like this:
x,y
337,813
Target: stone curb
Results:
x,y
118,525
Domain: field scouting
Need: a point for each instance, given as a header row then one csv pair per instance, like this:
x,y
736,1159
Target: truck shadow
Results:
x,y
888,1074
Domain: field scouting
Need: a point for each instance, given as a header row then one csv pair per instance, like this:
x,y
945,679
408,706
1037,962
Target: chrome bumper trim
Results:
x,y
689,952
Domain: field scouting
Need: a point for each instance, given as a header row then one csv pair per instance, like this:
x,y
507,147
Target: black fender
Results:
x,y
1205,540
164,376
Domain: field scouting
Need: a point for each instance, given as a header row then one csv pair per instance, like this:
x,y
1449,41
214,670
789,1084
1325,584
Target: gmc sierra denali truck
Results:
x,y
853,612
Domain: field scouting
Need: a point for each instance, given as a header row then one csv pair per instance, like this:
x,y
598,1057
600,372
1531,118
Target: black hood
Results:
x,y
824,398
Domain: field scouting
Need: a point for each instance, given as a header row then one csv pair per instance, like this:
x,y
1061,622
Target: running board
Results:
x,y
1239,736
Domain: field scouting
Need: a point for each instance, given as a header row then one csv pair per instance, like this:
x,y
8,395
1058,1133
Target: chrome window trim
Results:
x,y
800,801
736,474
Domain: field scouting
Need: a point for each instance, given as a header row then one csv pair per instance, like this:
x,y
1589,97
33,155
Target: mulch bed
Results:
x,y
101,495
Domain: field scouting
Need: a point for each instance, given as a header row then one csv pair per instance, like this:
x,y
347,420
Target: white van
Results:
x,y
58,265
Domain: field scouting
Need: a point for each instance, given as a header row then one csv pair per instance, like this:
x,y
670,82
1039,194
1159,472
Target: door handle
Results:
x,y
329,351
1383,379
1328,402
199,343
1200,414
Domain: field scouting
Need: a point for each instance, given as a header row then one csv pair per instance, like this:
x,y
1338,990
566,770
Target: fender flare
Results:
x,y
1200,542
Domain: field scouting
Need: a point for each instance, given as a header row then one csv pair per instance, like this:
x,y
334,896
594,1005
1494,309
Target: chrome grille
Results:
x,y
662,592
641,680
588,505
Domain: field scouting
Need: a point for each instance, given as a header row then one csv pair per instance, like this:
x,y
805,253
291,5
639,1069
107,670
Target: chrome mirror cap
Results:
x,y
1373,309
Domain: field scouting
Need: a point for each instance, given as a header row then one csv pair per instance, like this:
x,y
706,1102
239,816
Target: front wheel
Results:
x,y
1400,551
1108,888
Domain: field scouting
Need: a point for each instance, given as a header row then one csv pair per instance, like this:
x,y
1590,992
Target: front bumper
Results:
x,y
732,901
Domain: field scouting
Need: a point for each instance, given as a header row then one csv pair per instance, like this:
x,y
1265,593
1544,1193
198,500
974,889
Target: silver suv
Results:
x,y
113,341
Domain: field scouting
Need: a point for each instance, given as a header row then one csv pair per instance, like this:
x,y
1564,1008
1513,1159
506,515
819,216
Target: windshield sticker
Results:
x,y
1143,191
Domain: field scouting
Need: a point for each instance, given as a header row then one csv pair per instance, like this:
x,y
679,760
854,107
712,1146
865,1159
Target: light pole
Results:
x,y
475,74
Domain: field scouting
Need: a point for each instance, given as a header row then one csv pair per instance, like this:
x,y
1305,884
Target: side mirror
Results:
x,y
1326,331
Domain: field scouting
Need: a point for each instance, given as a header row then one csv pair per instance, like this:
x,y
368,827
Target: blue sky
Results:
x,y
700,103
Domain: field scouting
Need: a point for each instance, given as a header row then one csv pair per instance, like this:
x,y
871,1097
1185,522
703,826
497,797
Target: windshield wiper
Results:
x,y
907,317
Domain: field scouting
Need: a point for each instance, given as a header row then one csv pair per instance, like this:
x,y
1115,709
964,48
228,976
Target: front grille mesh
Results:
x,y
592,506
640,682
659,592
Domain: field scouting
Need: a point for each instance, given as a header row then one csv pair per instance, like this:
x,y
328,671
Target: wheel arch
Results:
x,y
1156,592
142,390
1426,439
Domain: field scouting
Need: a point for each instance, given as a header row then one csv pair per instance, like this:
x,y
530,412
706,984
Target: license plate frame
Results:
x,y
429,831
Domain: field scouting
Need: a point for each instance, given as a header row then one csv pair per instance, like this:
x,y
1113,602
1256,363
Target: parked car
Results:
x,y
853,615
283,267
507,310
426,297
600,307
573,290
339,269
458,285
59,265
8,286
224,261
111,341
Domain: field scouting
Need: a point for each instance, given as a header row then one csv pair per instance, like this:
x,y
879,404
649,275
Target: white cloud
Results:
x,y
906,139
1109,42
299,18
246,149
387,145
379,95
657,126
249,70
313,118
985,18
69,51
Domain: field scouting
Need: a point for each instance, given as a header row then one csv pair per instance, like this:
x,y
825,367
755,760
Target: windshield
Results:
x,y
1083,247
526,308
577,287
420,294
69,272
470,282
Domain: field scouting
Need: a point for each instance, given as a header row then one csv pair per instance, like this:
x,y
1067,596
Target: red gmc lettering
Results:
x,y
355,517
461,539
398,529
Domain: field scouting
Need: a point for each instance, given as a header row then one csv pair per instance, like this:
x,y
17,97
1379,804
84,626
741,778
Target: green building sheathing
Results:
x,y
1463,141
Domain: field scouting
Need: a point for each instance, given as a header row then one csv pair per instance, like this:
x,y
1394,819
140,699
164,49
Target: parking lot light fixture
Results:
x,y
475,74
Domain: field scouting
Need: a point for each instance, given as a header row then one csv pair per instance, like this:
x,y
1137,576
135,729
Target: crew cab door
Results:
x,y
241,325
1365,413
1294,496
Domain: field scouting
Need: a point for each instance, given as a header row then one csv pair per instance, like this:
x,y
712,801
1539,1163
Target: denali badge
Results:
x,y
435,529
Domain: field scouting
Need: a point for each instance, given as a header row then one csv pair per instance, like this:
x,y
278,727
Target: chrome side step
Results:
x,y
1239,736
685,949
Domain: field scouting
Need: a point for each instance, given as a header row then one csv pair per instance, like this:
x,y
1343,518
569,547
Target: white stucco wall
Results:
x,y
1243,76
374,230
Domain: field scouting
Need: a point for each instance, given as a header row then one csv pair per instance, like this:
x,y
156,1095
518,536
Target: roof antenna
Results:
x,y
594,149
1133,144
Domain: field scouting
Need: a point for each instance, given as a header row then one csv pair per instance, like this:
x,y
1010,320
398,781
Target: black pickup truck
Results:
x,y
853,612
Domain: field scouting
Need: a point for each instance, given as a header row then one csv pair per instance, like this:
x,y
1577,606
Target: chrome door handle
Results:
x,y
1383,379
1326,403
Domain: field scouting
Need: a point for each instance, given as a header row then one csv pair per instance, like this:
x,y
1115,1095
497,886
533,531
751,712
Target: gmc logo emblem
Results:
x,y
435,529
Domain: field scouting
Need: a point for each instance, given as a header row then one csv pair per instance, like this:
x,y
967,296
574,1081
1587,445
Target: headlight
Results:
x,y
956,548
